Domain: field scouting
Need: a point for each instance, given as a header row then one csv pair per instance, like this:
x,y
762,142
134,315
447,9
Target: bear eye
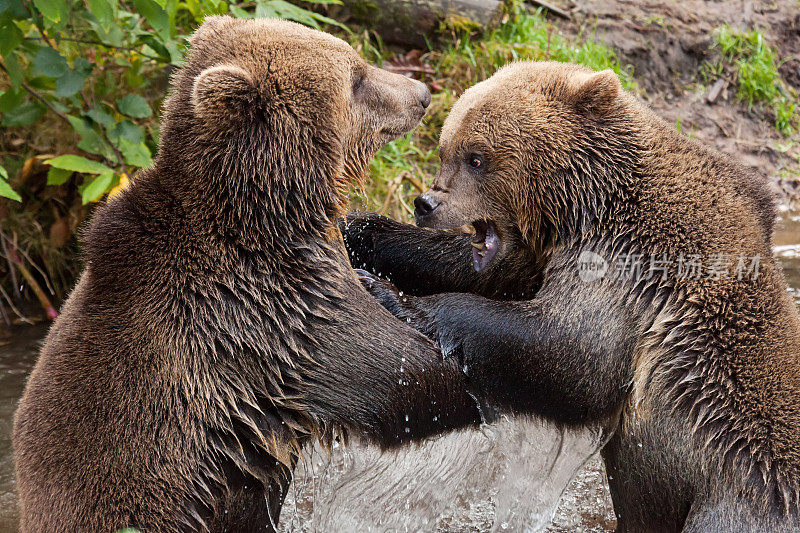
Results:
x,y
358,82
475,161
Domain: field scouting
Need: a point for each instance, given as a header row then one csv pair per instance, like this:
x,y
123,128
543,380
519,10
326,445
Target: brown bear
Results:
x,y
218,325
692,357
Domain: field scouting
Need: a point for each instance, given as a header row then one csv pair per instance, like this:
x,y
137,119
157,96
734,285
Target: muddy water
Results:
x,y
787,249
17,356
585,505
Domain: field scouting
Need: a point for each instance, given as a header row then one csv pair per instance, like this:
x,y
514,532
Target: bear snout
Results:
x,y
424,95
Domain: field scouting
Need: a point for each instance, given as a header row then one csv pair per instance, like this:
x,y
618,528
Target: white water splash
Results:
x,y
505,476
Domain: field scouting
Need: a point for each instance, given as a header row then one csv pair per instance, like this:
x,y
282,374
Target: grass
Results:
x,y
402,168
754,67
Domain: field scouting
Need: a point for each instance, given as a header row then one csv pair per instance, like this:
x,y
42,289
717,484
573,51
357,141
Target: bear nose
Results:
x,y
424,205
424,95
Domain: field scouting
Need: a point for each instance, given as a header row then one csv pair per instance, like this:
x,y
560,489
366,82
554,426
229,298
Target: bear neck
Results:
x,y
594,185
255,197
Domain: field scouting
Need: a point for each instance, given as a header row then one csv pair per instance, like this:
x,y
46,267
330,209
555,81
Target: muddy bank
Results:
x,y
667,43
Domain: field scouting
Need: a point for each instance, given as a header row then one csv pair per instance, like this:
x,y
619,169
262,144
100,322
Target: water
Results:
x,y
509,473
17,356
787,249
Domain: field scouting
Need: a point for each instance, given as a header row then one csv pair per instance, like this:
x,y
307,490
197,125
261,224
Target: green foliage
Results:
x,y
754,66
99,66
5,188
285,10
528,36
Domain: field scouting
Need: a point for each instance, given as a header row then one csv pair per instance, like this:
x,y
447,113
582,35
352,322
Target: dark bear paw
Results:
x,y
380,289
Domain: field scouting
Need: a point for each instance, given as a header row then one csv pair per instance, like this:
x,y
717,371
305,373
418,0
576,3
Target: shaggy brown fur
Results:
x,y
699,377
218,325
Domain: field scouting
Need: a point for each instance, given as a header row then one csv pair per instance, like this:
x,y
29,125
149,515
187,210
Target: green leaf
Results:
x,y
156,46
126,130
77,163
23,115
114,36
50,63
10,37
137,155
265,10
155,15
11,99
70,83
283,9
91,141
83,66
14,71
240,13
175,52
134,106
97,187
104,11
332,22
54,10
5,188
58,176
15,8
8,192
101,117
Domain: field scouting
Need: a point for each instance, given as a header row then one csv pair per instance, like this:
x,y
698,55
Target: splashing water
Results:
x,y
508,475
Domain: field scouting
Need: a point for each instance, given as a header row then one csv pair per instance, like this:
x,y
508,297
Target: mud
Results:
x,y
667,43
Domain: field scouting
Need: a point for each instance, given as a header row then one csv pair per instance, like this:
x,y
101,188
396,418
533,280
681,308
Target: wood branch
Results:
x,y
717,88
14,258
413,22
555,10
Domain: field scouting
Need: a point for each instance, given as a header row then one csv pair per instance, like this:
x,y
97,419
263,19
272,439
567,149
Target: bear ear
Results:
x,y
210,28
224,92
598,93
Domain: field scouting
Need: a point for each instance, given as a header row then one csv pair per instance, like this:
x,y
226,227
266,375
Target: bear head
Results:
x,y
272,109
527,156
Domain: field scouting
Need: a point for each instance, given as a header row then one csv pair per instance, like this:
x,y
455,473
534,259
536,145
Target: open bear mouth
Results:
x,y
485,243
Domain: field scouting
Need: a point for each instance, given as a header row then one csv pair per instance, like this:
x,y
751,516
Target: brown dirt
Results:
x,y
668,42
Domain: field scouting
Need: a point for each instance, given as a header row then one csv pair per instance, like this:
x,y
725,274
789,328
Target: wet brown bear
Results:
x,y
559,170
218,325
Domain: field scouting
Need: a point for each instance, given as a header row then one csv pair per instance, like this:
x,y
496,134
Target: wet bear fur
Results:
x,y
218,325
698,378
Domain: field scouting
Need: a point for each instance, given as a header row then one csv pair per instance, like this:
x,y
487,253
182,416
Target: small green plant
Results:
x,y
527,35
753,64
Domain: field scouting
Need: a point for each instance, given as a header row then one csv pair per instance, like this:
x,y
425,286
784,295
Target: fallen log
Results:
x,y
555,10
414,22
